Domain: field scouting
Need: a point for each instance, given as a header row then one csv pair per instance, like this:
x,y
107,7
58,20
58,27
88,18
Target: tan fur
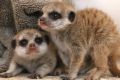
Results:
x,y
92,33
39,63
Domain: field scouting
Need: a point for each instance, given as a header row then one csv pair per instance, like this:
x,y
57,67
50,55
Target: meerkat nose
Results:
x,y
42,19
32,45
42,23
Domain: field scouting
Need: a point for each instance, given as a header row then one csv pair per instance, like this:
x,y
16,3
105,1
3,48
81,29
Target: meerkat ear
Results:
x,y
36,14
47,39
13,44
71,16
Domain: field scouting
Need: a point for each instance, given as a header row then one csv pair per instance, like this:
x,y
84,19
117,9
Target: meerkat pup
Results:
x,y
33,52
78,34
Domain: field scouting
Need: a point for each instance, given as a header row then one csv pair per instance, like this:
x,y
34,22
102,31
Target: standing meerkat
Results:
x,y
33,52
78,34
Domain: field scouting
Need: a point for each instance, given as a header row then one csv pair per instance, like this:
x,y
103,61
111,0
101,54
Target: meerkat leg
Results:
x,y
60,68
63,62
3,65
41,71
75,65
5,60
114,62
100,57
12,71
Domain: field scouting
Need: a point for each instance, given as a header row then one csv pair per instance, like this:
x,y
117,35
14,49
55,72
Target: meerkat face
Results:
x,y
30,44
56,16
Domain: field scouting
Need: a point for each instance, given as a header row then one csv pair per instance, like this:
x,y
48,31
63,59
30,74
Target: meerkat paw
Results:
x,y
3,68
58,72
92,75
6,75
64,77
34,76
95,74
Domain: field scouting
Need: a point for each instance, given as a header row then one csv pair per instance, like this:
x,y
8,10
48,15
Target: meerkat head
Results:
x,y
56,16
30,43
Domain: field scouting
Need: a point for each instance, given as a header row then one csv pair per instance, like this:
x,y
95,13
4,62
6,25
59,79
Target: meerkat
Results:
x,y
78,34
32,52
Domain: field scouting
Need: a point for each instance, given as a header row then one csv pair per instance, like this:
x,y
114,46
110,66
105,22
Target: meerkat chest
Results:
x,y
63,47
60,43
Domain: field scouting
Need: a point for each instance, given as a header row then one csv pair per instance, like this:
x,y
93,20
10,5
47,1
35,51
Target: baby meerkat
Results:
x,y
78,34
33,52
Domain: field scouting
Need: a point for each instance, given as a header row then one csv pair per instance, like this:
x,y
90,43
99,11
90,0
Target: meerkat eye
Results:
x,y
38,40
55,15
23,42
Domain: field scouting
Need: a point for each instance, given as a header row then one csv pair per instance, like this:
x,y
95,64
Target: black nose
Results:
x,y
42,19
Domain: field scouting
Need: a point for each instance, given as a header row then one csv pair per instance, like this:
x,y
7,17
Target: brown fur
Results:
x,y
92,33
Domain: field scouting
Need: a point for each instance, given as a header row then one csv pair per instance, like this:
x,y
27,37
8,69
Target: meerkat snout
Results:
x,y
32,47
42,19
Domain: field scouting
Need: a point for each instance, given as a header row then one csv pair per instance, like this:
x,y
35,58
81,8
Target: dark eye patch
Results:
x,y
54,15
23,42
38,40
47,39
71,16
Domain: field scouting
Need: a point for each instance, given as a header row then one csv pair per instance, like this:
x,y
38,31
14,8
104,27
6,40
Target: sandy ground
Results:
x,y
24,77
